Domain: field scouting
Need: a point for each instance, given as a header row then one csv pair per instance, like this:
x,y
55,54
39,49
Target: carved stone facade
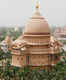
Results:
x,y
35,47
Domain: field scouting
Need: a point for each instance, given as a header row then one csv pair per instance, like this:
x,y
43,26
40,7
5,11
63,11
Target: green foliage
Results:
x,y
1,54
4,55
9,72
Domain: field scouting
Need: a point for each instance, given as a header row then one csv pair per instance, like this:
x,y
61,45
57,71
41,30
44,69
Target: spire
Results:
x,y
37,4
37,8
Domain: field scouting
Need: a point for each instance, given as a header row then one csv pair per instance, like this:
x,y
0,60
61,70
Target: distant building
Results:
x,y
16,28
60,33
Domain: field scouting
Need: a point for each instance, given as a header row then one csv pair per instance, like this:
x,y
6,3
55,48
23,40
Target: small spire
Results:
x,y
37,4
37,8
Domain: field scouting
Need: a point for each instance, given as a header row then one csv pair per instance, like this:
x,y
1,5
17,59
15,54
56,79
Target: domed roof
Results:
x,y
36,24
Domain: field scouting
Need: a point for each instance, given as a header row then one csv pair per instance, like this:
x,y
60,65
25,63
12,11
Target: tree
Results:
x,y
7,72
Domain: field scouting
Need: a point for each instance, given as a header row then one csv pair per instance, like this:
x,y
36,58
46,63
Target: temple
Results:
x,y
35,47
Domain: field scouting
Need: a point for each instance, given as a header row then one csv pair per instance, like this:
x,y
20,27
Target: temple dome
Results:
x,y
36,24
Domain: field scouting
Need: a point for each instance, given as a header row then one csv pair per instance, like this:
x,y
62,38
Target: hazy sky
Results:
x,y
16,12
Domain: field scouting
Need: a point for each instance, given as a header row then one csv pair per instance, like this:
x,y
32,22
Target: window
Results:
x,y
21,58
18,58
51,57
27,59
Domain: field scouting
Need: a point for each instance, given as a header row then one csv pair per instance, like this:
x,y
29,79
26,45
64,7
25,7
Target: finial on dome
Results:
x,y
37,4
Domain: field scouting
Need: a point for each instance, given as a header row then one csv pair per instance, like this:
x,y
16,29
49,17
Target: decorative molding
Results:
x,y
36,33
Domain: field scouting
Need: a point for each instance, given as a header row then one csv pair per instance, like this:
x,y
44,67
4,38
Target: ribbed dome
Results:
x,y
36,25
